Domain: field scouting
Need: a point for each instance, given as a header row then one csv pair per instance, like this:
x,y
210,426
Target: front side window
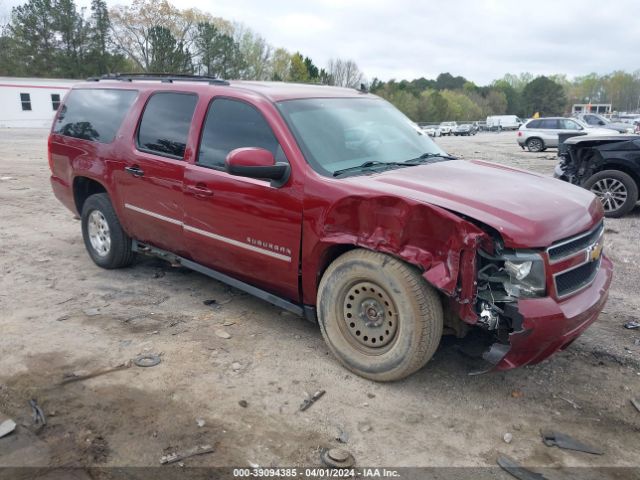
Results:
x,y
232,124
94,114
340,133
25,100
165,124
55,101
569,125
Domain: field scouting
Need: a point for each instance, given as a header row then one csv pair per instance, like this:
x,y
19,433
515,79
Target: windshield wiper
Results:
x,y
369,164
426,157
422,159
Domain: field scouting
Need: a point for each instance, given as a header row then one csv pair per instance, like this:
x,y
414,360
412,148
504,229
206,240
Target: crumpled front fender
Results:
x,y
442,244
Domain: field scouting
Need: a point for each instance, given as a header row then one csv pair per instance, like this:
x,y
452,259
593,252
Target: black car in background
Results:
x,y
609,166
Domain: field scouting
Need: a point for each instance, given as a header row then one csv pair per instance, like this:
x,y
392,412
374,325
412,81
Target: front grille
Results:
x,y
573,280
569,247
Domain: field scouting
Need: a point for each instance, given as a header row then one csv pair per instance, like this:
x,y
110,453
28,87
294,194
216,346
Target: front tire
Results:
x,y
106,242
378,315
616,190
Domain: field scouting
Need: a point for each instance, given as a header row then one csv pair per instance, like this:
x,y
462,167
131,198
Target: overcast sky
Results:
x,y
479,39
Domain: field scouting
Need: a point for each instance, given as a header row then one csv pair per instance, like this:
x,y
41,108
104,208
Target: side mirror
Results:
x,y
600,122
256,162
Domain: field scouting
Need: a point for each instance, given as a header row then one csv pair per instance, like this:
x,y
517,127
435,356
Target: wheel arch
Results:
x,y
440,243
329,255
83,188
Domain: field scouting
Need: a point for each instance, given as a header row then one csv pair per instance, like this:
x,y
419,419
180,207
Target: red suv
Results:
x,y
330,203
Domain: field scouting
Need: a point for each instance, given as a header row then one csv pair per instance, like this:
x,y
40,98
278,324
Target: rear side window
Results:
x,y
165,124
534,124
550,124
232,124
93,114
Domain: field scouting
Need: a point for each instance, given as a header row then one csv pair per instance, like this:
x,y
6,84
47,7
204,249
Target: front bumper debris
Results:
x,y
549,325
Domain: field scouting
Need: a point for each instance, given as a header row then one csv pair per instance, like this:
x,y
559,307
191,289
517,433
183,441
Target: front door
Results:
x,y
242,226
151,180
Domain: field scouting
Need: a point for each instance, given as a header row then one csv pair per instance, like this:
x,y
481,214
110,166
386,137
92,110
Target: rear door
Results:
x,y
150,181
245,227
549,130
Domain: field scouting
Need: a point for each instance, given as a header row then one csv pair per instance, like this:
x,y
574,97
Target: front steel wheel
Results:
x,y
616,190
369,317
378,316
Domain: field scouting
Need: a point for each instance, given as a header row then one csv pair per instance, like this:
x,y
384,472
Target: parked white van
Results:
x,y
503,122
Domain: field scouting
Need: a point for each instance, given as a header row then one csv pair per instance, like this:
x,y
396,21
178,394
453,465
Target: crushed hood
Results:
x,y
527,209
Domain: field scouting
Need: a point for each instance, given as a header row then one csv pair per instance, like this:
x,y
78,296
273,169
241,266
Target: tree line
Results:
x,y
55,38
456,98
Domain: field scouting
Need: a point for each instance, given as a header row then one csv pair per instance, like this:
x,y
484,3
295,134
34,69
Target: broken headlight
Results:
x,y
510,276
526,277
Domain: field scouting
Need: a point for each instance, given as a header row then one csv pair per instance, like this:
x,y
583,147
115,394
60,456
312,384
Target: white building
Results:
x,y
31,102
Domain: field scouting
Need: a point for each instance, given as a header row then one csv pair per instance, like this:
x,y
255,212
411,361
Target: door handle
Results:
x,y
135,170
199,190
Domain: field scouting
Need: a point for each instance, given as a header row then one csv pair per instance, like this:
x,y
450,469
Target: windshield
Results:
x,y
342,133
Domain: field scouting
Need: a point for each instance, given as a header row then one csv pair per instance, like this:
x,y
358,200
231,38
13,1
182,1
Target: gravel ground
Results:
x,y
63,317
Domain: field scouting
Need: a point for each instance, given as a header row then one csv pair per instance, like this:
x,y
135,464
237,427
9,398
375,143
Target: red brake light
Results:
x,y
519,133
50,157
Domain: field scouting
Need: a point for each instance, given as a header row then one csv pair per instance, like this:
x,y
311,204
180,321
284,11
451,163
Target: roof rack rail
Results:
x,y
162,77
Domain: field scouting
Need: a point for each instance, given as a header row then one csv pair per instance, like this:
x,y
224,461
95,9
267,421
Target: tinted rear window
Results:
x,y
94,114
552,124
165,123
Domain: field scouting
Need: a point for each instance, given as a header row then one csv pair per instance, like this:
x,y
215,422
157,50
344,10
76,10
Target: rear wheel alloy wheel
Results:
x,y
99,235
378,315
616,190
535,145
106,242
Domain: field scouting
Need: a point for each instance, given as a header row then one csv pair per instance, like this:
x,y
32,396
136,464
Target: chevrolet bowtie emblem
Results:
x,y
594,252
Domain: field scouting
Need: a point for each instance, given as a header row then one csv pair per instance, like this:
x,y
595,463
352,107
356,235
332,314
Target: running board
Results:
x,y
306,311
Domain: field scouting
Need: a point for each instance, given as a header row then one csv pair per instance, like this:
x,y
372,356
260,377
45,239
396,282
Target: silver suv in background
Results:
x,y
598,121
539,134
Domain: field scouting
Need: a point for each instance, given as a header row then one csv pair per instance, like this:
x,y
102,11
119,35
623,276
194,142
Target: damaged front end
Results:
x,y
536,302
528,303
577,163
502,279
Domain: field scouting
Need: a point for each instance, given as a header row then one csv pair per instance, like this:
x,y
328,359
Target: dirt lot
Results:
x,y
61,316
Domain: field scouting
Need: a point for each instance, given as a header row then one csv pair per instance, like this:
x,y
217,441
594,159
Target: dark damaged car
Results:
x,y
608,166
332,204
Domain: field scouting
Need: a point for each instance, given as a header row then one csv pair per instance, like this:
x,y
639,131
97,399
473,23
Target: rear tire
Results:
x,y
535,144
616,190
378,316
106,242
